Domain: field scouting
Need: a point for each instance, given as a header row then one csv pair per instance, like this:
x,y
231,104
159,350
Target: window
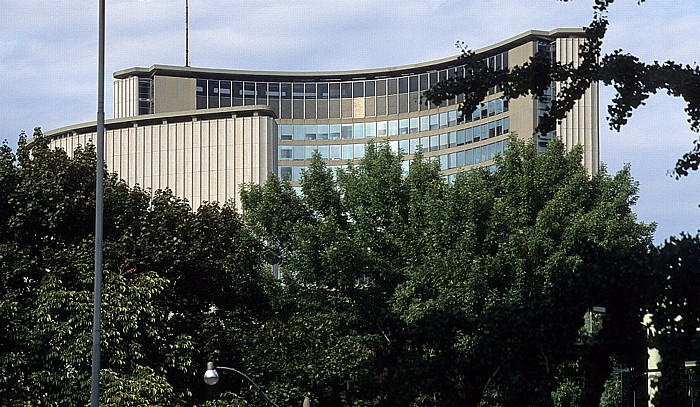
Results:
x,y
334,132
370,130
358,89
286,131
393,127
346,90
310,132
413,125
369,88
424,123
403,85
346,132
358,130
322,132
403,126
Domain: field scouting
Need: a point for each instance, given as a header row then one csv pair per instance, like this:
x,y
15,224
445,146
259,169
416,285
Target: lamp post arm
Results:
x,y
262,393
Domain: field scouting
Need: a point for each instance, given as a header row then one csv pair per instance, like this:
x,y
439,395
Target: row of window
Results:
x,y
386,128
449,161
313,100
435,142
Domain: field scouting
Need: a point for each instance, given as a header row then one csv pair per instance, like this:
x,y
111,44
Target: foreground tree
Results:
x,y
459,294
173,279
633,80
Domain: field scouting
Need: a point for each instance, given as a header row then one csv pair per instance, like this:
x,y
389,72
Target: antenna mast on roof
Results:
x,y
187,33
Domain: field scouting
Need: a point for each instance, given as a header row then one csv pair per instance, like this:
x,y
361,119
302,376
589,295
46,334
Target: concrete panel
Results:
x,y
172,94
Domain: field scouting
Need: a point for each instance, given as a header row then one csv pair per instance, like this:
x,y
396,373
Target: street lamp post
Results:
x,y
211,377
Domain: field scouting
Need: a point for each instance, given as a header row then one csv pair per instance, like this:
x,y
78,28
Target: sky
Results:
x,y
48,60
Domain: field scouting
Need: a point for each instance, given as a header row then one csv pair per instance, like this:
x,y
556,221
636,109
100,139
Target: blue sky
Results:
x,y
48,60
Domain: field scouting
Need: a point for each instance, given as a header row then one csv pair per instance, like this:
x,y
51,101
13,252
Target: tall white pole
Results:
x,y
187,33
99,211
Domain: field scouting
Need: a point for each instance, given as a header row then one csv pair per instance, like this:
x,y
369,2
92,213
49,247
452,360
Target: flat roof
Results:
x,y
282,76
169,117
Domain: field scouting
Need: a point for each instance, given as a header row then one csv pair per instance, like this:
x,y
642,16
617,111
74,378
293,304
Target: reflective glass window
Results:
x,y
403,84
322,132
286,131
359,151
443,120
499,106
298,91
461,140
285,153
346,132
322,91
452,118
348,153
425,143
492,129
424,82
285,173
358,130
433,78
413,125
492,108
381,87
310,131
434,122
477,133
413,83
335,152
371,129
477,155
286,90
346,90
392,86
452,138
434,143
403,146
273,90
369,88
424,123
299,132
403,126
469,135
358,89
506,124
393,127
394,145
334,132
469,157
381,129
334,90
412,145
298,153
443,141
484,153
309,152
459,160
323,150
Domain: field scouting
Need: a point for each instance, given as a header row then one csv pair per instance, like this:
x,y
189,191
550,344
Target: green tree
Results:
x,y
173,281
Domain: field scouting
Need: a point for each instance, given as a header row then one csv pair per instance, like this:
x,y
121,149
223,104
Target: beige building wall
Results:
x,y
201,159
126,97
581,124
174,94
523,110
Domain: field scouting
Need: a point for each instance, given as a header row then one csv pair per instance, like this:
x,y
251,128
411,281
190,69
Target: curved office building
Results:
x,y
204,132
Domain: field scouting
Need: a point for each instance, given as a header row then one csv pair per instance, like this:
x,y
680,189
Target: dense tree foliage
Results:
x,y
633,80
458,294
173,280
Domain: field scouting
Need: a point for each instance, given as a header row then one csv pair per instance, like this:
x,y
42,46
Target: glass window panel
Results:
x,y
348,153
371,129
334,90
381,129
452,138
381,87
433,78
506,124
505,105
286,153
335,152
273,90
492,108
369,88
298,153
286,173
403,146
424,82
461,137
286,90
443,162
403,126
346,90
298,132
413,83
310,90
323,150
505,145
499,106
434,143
413,125
484,153
469,135
359,150
434,122
334,132
412,145
452,118
469,157
323,132
424,123
403,85
394,145
322,91
492,129
309,151
358,89
393,127
443,120
346,132
443,141
460,159
477,155
358,130
286,131
425,143
477,133
296,173
392,86
298,91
